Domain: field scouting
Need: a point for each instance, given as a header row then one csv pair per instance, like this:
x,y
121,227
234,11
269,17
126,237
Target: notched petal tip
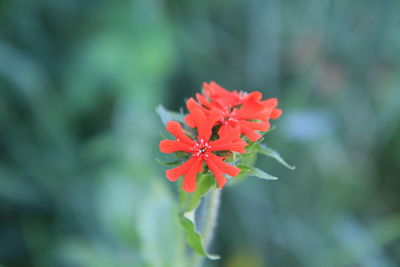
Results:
x,y
189,188
164,146
192,104
270,103
176,130
175,173
276,113
189,181
172,175
254,96
173,126
252,135
189,121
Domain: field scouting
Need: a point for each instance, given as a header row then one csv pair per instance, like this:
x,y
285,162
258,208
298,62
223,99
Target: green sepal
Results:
x,y
253,171
253,147
167,115
269,130
182,155
187,206
170,163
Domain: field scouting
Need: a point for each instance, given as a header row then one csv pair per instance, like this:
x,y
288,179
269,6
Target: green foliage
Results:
x,y
253,171
264,150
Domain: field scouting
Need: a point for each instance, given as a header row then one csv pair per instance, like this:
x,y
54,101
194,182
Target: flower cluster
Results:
x,y
220,123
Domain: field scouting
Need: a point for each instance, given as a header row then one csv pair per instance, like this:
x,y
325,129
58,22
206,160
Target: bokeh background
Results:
x,y
79,84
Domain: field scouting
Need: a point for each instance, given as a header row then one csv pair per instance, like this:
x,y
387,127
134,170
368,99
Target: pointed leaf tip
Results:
x,y
261,174
252,171
264,150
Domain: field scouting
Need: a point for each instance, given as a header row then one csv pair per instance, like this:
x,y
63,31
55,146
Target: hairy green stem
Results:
x,y
210,221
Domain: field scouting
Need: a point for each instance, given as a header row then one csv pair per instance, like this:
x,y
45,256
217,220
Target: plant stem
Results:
x,y
210,221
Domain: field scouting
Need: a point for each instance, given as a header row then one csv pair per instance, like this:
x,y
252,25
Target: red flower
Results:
x,y
201,149
242,109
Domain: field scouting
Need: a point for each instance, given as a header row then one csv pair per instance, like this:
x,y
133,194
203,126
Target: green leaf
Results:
x,y
264,150
253,171
253,147
188,205
261,174
166,115
247,159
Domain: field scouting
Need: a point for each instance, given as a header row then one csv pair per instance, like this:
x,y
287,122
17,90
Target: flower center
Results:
x,y
201,147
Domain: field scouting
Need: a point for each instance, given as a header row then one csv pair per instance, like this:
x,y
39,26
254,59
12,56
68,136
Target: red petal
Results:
x,y
270,103
192,104
221,96
189,181
224,130
213,117
175,173
252,101
203,100
257,126
251,134
230,134
170,146
252,112
276,113
203,122
254,96
252,115
221,180
189,121
222,166
175,129
215,90
240,141
199,120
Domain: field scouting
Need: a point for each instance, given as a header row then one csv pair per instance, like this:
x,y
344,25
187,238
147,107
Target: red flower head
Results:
x,y
202,149
242,109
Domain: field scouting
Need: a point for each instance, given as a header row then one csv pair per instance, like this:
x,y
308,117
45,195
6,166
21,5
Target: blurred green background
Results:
x,y
79,83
